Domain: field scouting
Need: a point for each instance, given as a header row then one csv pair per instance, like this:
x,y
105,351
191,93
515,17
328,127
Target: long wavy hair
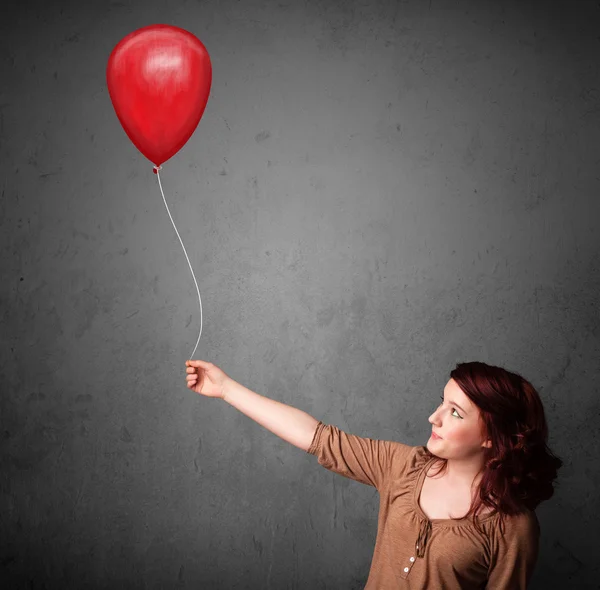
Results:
x,y
519,468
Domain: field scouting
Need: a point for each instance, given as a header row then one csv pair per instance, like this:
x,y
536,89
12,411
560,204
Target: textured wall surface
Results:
x,y
376,191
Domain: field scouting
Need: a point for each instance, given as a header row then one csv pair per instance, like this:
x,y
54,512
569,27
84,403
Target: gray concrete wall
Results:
x,y
375,192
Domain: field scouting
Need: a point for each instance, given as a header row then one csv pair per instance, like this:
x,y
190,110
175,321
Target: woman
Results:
x,y
456,513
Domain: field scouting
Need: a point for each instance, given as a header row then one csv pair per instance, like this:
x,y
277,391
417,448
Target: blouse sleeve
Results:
x,y
365,460
514,555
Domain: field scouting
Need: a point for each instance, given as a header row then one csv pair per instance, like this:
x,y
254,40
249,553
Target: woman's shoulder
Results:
x,y
408,459
526,520
421,455
524,525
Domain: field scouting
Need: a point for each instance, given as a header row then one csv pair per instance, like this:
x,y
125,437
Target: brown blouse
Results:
x,y
412,551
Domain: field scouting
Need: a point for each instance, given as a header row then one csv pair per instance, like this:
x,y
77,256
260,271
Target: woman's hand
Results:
x,y
205,378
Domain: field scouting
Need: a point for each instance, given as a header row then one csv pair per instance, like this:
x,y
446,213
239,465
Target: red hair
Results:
x,y
519,468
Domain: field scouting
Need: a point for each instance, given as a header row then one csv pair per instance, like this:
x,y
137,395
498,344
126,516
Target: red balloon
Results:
x,y
159,79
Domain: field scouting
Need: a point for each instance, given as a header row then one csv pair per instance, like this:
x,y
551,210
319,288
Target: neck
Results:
x,y
464,471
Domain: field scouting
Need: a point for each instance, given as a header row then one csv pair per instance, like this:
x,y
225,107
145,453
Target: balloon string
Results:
x,y
156,169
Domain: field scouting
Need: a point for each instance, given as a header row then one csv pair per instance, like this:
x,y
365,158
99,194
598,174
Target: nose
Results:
x,y
434,419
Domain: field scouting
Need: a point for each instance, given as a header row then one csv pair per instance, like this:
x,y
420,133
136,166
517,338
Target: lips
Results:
x,y
434,435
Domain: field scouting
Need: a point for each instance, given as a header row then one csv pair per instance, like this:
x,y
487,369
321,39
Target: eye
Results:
x,y
455,412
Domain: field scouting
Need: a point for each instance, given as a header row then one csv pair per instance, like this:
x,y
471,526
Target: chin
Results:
x,y
431,448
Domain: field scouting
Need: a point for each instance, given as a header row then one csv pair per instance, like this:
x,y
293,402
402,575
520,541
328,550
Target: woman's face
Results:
x,y
458,422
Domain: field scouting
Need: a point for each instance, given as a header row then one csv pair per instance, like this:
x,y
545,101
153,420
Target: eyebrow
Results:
x,y
463,411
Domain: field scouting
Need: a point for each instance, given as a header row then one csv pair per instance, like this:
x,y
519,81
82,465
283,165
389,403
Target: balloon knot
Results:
x,y
156,169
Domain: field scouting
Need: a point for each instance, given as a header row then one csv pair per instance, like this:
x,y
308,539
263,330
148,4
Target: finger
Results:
x,y
199,363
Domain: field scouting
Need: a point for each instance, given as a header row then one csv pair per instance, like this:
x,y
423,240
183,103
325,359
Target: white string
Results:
x,y
156,171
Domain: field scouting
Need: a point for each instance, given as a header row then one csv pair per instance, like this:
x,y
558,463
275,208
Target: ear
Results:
x,y
487,444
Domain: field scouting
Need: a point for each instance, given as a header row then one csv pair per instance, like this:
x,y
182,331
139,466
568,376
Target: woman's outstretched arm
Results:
x,y
289,423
